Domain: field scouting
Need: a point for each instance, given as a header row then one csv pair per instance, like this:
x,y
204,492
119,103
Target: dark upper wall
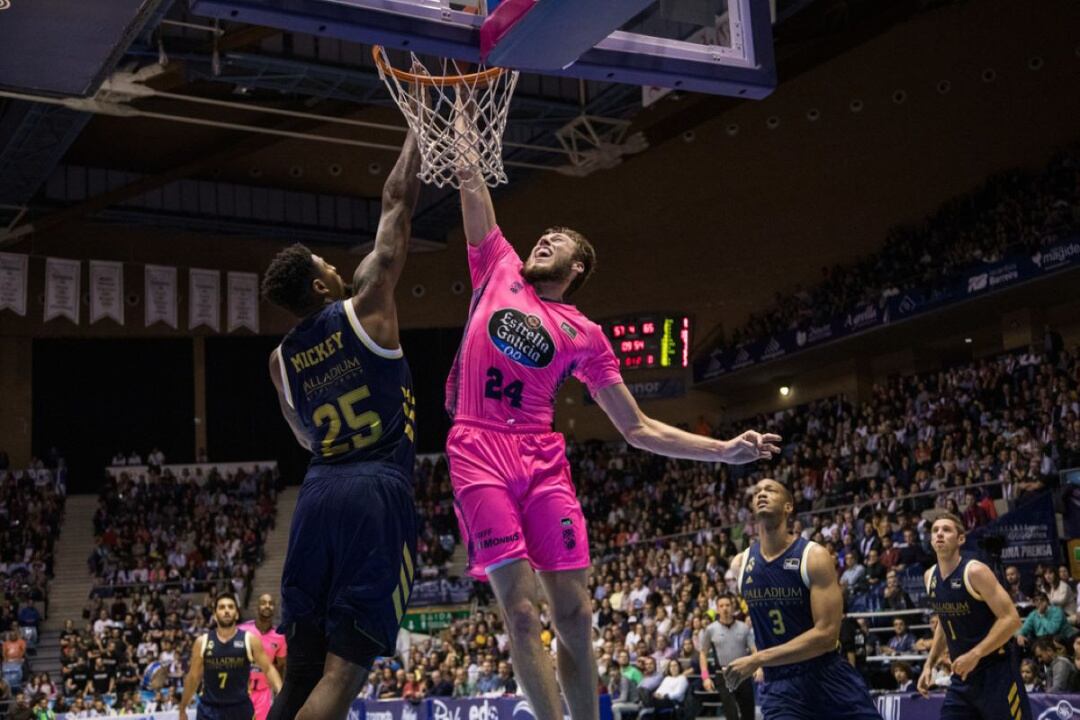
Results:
x,y
718,225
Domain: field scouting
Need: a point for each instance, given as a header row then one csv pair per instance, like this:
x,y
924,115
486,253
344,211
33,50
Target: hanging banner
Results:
x,y
243,301
204,299
106,291
160,295
13,274
62,289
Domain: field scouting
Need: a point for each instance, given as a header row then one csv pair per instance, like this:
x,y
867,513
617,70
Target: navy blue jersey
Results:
x,y
777,594
964,615
354,399
226,669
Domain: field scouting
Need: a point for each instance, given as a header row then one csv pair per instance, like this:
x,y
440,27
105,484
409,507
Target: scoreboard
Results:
x,y
649,341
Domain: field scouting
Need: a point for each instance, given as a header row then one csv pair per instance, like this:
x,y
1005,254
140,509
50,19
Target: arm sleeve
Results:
x,y
485,257
599,367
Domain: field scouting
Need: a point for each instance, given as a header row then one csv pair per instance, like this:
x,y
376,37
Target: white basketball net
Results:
x,y
459,127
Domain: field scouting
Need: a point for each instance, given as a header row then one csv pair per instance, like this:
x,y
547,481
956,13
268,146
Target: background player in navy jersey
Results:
x,y
222,659
977,624
789,583
347,394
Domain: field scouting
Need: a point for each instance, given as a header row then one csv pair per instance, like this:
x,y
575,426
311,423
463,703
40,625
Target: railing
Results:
x,y
965,283
198,471
802,515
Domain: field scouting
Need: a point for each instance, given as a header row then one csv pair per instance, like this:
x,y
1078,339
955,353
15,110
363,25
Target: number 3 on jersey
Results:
x,y
777,618
495,390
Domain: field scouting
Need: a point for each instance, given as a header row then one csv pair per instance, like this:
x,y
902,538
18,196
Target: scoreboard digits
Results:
x,y
650,341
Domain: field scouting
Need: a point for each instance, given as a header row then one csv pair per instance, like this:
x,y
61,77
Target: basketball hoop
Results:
x,y
458,117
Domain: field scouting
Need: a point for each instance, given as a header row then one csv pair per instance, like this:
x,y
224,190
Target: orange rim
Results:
x,y
378,53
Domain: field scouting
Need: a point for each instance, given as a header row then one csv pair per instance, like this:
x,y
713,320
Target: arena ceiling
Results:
x,y
62,165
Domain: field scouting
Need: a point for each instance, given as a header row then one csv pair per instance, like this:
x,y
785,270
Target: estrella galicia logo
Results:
x,y
516,287
521,337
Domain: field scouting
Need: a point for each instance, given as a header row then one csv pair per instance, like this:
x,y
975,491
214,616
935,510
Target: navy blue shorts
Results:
x,y
826,688
993,692
240,711
351,560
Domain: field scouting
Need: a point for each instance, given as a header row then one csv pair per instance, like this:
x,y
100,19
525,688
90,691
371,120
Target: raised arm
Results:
x,y
258,654
645,433
378,273
1006,619
477,212
827,606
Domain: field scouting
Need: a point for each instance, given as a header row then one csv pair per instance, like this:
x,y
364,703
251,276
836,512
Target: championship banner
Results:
x,y
1044,706
204,299
13,274
106,291
1028,535
243,289
160,295
62,289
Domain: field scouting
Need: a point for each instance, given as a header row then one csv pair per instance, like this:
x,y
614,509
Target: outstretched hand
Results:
x,y
750,447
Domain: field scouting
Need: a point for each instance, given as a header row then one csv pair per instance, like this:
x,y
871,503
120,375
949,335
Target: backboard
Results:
x,y
721,47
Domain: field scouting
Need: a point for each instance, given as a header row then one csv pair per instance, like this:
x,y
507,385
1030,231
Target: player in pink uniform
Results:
x,y
514,497
276,648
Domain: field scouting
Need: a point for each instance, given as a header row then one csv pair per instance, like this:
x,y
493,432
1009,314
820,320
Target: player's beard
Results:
x,y
223,625
554,273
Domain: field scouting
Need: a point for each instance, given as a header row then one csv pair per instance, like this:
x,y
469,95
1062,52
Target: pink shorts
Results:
x,y
262,699
514,499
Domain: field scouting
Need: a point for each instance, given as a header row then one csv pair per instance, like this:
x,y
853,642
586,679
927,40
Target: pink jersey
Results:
x,y
519,348
273,643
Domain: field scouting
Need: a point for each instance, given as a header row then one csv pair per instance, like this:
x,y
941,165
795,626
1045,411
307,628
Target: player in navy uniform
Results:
x,y
790,585
977,623
347,394
222,659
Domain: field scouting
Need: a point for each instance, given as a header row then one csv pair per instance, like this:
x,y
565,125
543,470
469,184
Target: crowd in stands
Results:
x,y
1014,212
438,524
165,544
138,642
31,512
995,429
664,533
193,530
